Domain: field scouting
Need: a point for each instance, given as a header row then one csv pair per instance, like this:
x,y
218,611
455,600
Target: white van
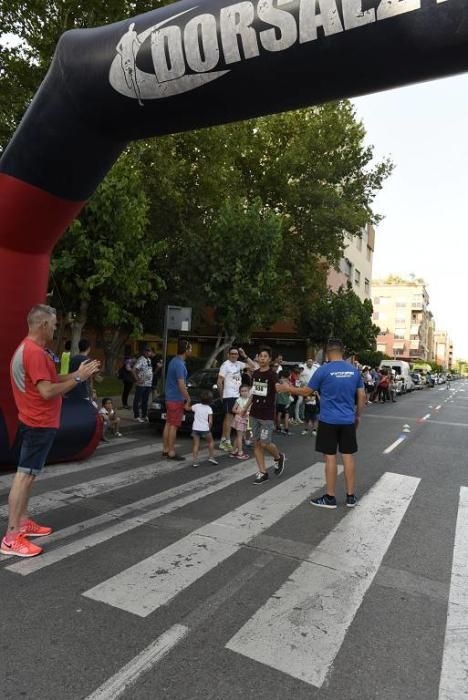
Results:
x,y
401,369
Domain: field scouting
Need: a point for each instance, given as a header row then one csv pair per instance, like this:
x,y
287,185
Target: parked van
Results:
x,y
401,369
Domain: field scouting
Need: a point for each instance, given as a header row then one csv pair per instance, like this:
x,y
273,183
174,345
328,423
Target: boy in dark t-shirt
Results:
x,y
262,404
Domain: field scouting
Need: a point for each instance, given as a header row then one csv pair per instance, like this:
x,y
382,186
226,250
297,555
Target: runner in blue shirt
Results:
x,y
342,398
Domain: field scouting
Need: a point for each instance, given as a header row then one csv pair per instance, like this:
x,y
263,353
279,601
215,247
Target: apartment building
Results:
x,y
401,311
356,264
443,349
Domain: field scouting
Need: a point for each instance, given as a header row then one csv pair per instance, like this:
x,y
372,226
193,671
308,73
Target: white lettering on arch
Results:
x,y
236,24
328,18
354,16
393,8
284,21
200,36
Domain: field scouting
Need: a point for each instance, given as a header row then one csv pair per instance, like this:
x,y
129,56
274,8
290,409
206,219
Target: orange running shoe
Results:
x,y
20,547
30,528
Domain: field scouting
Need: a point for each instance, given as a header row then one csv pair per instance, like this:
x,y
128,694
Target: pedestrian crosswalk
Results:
x,y
300,625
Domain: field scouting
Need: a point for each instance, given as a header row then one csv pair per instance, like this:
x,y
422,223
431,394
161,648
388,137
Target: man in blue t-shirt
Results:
x,y
177,398
342,398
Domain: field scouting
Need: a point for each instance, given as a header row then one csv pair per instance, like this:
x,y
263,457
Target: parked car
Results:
x,y
203,379
418,380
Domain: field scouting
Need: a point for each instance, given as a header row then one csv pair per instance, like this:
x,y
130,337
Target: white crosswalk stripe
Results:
x,y
121,441
143,588
315,607
182,495
97,487
454,676
55,470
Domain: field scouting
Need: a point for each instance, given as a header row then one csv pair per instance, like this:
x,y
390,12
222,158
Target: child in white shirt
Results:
x,y
202,424
109,417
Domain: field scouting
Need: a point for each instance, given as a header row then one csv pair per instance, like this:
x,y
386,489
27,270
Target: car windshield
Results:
x,y
203,379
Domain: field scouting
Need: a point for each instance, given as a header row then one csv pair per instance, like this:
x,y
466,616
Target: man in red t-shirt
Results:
x,y
37,390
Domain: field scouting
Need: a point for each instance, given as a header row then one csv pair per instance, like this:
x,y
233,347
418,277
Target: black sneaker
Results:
x,y
324,501
279,469
261,478
351,500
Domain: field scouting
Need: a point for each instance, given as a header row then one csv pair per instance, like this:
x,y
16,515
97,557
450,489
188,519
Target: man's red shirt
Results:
x,y
30,364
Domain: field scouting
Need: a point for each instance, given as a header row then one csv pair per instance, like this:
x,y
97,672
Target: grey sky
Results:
x,y
425,202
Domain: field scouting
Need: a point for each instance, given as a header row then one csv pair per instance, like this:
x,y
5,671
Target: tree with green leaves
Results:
x,y
238,270
372,358
340,314
103,269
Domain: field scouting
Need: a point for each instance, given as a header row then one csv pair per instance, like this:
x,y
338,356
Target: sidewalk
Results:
x,y
127,422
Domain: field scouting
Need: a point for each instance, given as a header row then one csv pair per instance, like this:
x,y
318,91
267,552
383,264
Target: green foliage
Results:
x,y
341,314
106,257
239,265
372,358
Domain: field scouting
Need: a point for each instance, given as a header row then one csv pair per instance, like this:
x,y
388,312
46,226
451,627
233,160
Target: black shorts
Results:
x,y
310,411
282,410
331,438
228,404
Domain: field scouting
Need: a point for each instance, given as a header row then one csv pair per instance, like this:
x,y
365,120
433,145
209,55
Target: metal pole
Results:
x,y
166,317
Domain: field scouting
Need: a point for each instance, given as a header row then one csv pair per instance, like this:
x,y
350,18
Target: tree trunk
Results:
x,y
223,341
112,350
77,324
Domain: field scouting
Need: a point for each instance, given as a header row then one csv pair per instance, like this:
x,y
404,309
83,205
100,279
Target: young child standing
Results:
x,y
240,423
110,418
202,424
283,401
311,413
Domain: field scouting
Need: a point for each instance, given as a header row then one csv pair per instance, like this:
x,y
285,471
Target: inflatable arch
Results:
x,y
184,66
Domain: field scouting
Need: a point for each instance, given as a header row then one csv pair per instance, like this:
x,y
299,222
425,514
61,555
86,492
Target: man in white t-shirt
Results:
x,y
229,384
306,375
142,372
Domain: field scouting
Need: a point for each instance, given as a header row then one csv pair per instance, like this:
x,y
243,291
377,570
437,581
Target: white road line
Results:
x,y
51,500
55,470
118,441
302,626
453,680
437,408
428,415
143,588
391,447
186,493
122,681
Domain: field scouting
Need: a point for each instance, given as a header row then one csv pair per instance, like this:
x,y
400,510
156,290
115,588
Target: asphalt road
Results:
x,y
164,581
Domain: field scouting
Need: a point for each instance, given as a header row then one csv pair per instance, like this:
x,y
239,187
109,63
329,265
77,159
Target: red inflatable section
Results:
x,y
32,222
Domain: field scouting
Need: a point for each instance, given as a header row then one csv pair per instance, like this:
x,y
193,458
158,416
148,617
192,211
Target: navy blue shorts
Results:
x,y
35,447
228,404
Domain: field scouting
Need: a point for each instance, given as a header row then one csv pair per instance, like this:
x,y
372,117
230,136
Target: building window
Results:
x,y
346,267
414,353
376,301
357,278
399,334
381,347
375,316
401,304
401,319
367,287
398,351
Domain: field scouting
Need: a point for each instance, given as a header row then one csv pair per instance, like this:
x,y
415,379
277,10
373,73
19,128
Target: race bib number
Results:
x,y
260,388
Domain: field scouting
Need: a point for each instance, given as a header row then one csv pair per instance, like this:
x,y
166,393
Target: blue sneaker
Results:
x,y
324,501
351,500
